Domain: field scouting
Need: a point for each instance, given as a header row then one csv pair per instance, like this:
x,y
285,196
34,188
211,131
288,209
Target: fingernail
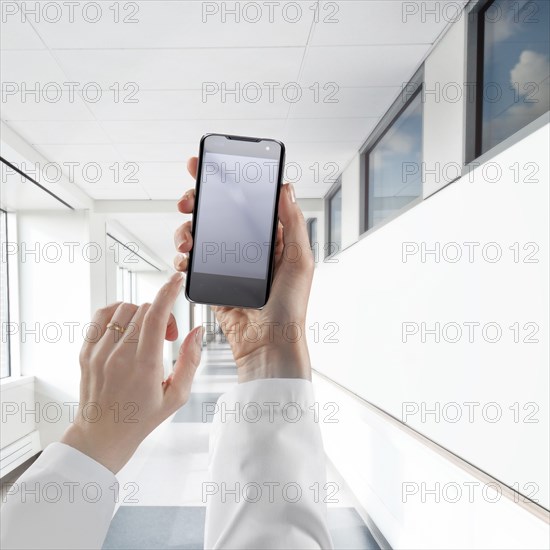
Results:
x,y
177,276
291,192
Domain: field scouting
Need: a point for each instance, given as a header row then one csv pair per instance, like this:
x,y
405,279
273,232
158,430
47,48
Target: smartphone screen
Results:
x,y
235,220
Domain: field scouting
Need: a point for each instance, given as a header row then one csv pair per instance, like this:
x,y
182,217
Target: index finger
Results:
x,y
153,330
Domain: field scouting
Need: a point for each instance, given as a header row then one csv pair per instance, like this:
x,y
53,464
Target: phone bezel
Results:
x,y
269,278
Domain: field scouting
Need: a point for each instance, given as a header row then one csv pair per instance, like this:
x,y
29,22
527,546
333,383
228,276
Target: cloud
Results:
x,y
504,29
530,78
399,143
531,67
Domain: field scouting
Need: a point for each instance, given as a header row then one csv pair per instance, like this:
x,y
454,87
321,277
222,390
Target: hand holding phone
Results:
x,y
235,221
271,342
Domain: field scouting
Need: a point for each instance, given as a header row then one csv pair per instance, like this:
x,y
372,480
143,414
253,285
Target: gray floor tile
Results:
x,y
195,410
152,527
349,531
170,527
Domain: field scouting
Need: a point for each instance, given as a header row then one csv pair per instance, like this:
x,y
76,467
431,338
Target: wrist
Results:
x,y
288,360
113,457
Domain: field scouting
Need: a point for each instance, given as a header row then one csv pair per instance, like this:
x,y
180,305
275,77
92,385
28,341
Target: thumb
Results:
x,y
296,241
178,384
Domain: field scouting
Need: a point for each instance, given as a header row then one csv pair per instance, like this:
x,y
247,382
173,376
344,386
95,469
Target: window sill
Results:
x,y
13,381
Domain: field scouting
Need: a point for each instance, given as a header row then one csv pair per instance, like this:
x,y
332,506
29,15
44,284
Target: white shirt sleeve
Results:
x,y
64,500
267,469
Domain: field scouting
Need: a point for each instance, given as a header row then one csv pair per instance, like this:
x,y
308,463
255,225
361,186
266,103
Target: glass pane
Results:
x,y
516,70
394,165
4,313
335,228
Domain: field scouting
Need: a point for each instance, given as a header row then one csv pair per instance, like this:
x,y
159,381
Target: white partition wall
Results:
x,y
441,321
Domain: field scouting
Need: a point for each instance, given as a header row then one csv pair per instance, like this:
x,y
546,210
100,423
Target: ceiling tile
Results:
x,y
346,102
328,129
328,150
67,107
179,24
173,131
360,22
165,173
159,69
60,131
157,152
80,153
25,68
362,66
186,105
17,32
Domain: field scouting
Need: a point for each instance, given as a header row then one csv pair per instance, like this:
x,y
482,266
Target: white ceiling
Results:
x,y
170,52
372,49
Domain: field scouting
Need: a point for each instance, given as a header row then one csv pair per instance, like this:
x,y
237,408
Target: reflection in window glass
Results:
x,y
394,168
516,69
4,299
334,223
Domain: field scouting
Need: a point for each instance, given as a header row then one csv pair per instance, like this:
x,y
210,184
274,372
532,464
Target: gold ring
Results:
x,y
116,326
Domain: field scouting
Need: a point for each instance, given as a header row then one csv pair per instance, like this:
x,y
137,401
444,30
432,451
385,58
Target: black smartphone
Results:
x,y
235,221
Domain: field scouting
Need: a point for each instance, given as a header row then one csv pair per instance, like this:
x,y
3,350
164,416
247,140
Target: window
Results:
x,y
4,298
312,235
126,286
334,222
393,164
513,68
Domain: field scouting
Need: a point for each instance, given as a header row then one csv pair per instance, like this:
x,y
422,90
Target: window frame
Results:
x,y
13,299
473,116
398,107
8,344
126,285
336,186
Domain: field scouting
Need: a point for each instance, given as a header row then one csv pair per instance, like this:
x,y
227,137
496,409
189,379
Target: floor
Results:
x,y
160,501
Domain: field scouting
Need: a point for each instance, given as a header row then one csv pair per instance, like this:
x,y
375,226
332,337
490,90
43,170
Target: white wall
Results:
x,y
14,396
418,498
376,292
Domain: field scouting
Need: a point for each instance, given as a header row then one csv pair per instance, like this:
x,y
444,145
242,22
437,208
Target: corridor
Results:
x,y
362,187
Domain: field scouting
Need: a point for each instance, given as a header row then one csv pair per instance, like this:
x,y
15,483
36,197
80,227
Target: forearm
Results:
x,y
265,469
